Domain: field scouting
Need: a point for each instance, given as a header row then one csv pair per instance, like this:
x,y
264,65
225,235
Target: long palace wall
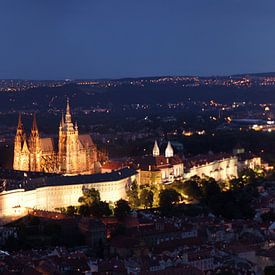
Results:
x,y
17,202
223,169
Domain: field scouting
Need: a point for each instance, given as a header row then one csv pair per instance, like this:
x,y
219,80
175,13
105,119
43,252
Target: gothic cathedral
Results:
x,y
71,154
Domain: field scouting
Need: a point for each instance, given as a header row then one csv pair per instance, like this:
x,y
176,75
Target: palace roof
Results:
x,y
61,180
205,159
47,144
156,162
85,141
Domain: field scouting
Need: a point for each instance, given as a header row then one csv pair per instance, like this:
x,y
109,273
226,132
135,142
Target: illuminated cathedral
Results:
x,y
71,154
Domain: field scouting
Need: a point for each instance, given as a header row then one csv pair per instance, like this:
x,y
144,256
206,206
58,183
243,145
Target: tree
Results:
x,y
84,210
232,204
122,209
132,194
100,209
147,198
209,188
235,184
248,176
71,210
89,196
192,189
168,197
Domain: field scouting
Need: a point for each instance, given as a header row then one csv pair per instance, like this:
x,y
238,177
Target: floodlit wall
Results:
x,y
162,175
223,169
17,202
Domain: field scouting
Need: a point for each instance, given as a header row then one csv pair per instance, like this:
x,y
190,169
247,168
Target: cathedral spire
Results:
x,y
20,125
34,131
62,123
25,148
34,124
68,106
19,131
68,118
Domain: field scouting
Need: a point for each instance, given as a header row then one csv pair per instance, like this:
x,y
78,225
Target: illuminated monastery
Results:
x,y
75,154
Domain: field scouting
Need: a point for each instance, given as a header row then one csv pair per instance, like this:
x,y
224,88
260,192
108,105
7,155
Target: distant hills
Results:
x,y
257,88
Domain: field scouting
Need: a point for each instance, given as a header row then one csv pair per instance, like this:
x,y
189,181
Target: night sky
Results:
x,y
57,39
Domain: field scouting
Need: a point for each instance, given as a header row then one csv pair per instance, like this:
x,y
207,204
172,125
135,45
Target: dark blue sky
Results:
x,y
54,39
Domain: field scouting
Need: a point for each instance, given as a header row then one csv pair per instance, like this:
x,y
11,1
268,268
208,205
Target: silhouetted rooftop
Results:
x,y
56,180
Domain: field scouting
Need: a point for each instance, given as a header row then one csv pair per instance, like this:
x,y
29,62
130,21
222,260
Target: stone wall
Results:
x,y
17,202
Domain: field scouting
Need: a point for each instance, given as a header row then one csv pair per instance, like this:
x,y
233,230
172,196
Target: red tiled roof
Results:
x,y
113,165
155,162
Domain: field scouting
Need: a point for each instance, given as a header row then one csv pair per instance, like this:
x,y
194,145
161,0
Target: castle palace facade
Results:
x,y
70,154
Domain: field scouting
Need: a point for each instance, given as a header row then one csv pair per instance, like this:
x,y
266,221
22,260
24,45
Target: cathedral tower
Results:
x,y
76,154
35,147
24,164
18,141
68,144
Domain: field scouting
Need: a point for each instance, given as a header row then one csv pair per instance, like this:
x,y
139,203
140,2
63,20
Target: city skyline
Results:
x,y
50,40
137,137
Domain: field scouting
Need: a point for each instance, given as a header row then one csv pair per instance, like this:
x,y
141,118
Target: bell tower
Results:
x,y
156,149
169,152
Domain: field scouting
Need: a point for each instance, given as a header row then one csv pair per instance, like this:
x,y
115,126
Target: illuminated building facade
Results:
x,y
218,166
58,191
75,154
157,168
247,160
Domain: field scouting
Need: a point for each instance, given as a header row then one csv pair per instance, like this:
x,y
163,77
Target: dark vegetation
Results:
x,y
149,93
40,233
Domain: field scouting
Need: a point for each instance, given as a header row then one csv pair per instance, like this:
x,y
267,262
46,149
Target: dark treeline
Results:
x,y
45,98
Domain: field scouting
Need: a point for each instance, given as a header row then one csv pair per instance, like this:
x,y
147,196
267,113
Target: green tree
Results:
x,y
89,196
122,209
209,188
192,189
235,184
147,198
248,176
71,210
168,197
132,194
100,209
84,210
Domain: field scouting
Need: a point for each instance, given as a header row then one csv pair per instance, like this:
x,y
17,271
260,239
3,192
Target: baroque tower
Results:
x,y
156,149
169,152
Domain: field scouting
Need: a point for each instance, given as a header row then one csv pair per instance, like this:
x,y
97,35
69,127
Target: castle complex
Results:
x,y
71,154
20,193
